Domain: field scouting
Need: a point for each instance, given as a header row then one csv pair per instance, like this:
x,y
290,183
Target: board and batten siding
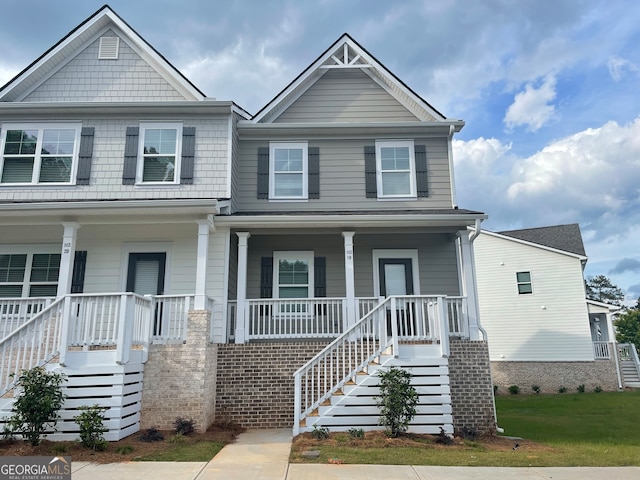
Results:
x,y
342,178
552,323
345,95
85,78
436,256
107,163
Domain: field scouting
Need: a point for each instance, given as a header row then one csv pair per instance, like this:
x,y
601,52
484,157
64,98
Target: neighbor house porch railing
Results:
x,y
627,351
602,350
277,319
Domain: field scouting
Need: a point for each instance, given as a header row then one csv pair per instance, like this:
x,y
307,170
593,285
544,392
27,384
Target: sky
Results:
x,y
549,90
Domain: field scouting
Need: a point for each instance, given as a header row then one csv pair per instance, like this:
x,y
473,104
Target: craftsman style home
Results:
x,y
171,253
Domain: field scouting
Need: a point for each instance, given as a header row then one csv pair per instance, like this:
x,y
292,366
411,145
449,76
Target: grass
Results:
x,y
201,451
585,429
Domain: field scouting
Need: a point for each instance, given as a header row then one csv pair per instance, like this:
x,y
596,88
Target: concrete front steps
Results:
x,y
355,406
630,374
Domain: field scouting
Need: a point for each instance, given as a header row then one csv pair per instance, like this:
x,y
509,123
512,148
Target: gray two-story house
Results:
x,y
174,255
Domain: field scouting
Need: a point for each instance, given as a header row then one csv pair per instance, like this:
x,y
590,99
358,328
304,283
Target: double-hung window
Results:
x,y
524,283
159,151
293,274
29,275
39,154
288,177
395,168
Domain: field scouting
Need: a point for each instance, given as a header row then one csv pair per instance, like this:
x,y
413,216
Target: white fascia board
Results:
x,y
352,220
208,107
536,245
601,306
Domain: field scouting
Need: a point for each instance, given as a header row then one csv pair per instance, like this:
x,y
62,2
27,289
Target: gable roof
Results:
x,y
559,237
63,51
347,53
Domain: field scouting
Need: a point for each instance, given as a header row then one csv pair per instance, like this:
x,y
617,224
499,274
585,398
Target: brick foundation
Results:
x,y
255,381
471,389
180,379
550,376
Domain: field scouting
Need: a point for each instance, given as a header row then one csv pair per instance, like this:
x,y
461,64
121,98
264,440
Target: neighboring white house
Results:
x,y
542,330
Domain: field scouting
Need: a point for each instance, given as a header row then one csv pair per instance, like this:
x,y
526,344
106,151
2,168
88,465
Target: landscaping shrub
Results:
x,y
598,389
151,435
536,389
91,423
580,388
39,398
184,426
320,433
514,389
356,433
397,400
562,389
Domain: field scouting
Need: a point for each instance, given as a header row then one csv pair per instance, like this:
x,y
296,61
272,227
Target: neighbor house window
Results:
x,y
159,151
29,275
288,177
39,154
395,167
293,274
524,282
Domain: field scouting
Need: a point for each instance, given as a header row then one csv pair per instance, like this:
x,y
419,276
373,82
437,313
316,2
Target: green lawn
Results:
x,y
588,429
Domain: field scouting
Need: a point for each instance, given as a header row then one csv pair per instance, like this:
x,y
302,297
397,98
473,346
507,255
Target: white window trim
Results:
x,y
530,282
308,256
176,167
29,251
305,169
411,253
37,163
412,168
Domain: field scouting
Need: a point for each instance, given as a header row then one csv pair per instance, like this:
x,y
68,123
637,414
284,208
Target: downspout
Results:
x,y
452,177
472,237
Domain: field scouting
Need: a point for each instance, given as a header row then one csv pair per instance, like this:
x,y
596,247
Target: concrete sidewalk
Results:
x,y
264,455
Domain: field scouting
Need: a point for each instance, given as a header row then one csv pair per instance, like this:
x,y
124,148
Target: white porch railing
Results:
x,y
377,332
34,343
15,312
170,314
602,350
627,351
295,318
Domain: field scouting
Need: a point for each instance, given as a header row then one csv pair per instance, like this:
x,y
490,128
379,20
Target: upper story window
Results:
x,y
159,152
39,154
395,169
524,282
288,178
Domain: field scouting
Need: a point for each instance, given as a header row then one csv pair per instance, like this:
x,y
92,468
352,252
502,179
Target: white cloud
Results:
x,y
619,66
7,73
531,107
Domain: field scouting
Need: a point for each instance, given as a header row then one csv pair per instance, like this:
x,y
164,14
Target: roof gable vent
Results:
x,y
109,47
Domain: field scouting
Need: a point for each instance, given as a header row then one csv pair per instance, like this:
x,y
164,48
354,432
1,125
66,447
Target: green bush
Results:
x,y
151,435
598,389
184,426
580,388
397,400
536,389
320,433
562,389
514,389
356,433
91,423
39,398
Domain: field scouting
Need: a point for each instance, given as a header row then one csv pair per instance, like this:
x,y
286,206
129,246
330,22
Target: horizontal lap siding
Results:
x,y
519,328
342,178
346,96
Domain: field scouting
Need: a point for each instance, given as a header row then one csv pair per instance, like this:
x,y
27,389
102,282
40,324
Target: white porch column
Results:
x,y
242,330
67,257
204,226
469,285
349,280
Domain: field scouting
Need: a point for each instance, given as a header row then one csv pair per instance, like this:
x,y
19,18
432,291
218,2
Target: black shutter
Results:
x,y
84,157
79,265
188,152
421,170
371,181
263,172
320,277
266,277
313,155
130,156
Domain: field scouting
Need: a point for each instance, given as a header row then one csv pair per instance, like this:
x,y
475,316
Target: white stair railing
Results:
x,y
341,361
34,343
15,312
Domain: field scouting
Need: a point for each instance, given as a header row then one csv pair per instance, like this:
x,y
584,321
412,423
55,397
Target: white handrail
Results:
x,y
14,312
34,343
601,350
170,314
341,360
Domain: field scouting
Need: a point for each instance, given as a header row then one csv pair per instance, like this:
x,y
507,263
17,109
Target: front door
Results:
x,y
145,276
396,278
